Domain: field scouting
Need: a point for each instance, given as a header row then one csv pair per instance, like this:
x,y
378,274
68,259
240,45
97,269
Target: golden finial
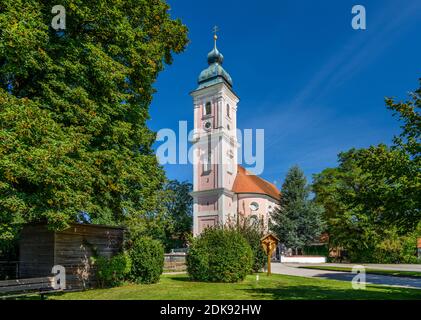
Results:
x,y
215,36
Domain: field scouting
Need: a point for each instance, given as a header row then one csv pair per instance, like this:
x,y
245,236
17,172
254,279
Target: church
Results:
x,y
223,190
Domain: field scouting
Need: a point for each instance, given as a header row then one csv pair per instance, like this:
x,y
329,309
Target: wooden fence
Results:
x,y
175,262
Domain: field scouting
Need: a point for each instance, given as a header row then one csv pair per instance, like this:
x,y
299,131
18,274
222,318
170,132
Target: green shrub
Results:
x,y
386,246
396,249
147,257
253,232
316,250
219,255
388,250
111,272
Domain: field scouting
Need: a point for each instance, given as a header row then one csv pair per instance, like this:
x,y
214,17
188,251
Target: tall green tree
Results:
x,y
359,205
74,144
373,197
409,114
179,208
298,220
336,190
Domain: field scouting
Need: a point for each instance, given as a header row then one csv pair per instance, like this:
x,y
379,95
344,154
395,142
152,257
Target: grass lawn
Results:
x,y
179,287
396,273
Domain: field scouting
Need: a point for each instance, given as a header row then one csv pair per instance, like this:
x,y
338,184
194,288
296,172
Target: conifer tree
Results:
x,y
298,220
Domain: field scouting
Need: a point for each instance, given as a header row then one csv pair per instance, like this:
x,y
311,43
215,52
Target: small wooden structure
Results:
x,y
40,249
269,244
175,262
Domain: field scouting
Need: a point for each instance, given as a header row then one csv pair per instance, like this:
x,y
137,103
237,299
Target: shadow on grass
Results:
x,y
389,273
183,278
374,279
313,292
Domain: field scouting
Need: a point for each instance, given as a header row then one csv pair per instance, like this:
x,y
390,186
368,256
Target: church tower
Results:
x,y
215,146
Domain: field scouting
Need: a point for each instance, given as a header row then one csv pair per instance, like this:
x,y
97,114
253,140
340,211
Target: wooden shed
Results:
x,y
40,249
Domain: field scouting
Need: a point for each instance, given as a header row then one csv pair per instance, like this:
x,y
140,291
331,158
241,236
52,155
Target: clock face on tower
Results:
x,y
207,125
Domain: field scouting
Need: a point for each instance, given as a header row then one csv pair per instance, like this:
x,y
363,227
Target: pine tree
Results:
x,y
298,220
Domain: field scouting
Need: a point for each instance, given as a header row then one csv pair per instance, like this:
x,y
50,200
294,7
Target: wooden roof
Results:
x,y
246,182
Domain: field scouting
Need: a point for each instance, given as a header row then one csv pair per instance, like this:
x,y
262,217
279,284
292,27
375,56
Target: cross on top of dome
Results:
x,y
215,73
215,56
215,31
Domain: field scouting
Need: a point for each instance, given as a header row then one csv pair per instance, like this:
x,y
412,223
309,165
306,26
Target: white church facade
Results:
x,y
223,191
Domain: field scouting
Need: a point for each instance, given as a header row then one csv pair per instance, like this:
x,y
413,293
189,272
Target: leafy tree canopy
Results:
x,y
74,144
375,192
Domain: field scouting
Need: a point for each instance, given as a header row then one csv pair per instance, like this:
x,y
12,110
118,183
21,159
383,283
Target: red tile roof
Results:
x,y
246,182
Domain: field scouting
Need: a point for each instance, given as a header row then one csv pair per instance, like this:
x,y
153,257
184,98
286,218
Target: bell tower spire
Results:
x,y
215,145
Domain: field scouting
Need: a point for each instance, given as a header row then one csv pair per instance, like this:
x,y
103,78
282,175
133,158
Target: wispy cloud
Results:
x,y
304,130
360,50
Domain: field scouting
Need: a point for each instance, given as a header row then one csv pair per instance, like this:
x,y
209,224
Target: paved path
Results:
x,y
292,270
398,267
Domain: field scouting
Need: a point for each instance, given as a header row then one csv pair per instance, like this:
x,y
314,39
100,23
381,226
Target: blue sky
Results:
x,y
314,84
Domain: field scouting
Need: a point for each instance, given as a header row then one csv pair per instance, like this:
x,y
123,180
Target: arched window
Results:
x,y
208,108
254,220
228,110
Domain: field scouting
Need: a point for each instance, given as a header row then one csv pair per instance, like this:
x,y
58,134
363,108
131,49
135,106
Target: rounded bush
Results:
x,y
111,272
219,255
147,257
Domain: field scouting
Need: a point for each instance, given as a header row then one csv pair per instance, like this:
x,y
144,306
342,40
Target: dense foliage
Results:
x,y
219,255
111,272
74,145
253,232
147,256
179,213
298,221
372,200
354,212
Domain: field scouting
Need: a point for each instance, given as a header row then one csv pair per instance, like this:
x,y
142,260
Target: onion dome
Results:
x,y
215,73
215,56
